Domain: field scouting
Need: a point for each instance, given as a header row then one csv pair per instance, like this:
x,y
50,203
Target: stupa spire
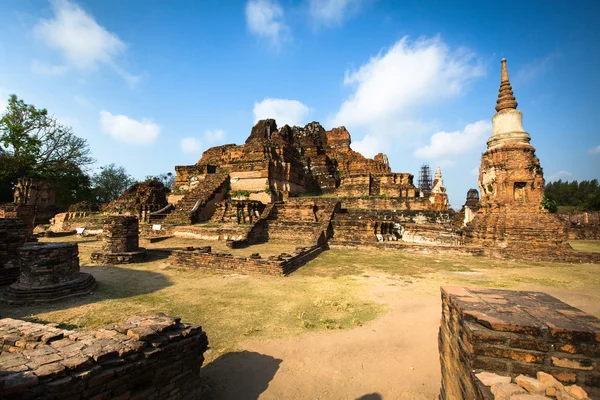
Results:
x,y
506,99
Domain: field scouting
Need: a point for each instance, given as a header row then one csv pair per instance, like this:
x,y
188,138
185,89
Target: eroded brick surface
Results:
x,y
512,333
152,356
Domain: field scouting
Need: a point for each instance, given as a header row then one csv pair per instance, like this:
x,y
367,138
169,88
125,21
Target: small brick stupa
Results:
x,y
511,184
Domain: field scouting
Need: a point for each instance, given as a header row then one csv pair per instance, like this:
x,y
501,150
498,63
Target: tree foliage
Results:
x,y
34,144
110,183
576,196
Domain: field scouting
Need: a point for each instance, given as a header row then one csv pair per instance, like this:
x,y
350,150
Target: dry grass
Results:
x,y
586,245
334,291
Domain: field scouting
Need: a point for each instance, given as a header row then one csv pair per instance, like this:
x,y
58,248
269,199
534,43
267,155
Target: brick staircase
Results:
x,y
300,220
188,210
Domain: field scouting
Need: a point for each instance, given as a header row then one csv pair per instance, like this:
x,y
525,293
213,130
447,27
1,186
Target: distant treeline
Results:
x,y
574,196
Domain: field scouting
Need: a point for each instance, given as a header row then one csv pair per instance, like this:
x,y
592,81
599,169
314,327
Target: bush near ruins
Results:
x,y
574,196
240,193
34,144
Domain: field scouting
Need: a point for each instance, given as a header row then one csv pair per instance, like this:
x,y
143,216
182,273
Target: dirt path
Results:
x,y
394,357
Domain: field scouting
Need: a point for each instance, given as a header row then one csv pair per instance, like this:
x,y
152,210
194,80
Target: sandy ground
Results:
x,y
393,357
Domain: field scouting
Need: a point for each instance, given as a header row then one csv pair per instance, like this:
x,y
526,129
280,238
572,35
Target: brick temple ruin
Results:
x,y
306,186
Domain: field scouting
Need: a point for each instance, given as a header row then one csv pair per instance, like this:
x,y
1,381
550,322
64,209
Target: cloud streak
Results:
x,y
265,19
391,89
128,130
80,40
332,12
456,143
284,111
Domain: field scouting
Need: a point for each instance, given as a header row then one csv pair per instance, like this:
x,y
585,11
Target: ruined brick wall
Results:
x,y
370,226
386,204
582,226
120,234
140,198
237,211
13,235
146,357
205,258
23,212
512,333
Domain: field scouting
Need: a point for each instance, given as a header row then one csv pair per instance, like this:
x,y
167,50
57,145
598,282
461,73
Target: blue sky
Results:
x,y
151,84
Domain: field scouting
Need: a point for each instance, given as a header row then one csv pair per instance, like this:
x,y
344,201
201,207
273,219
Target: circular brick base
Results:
x,y
18,293
102,258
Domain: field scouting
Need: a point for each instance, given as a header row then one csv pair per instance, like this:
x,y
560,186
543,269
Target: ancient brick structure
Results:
x,y
201,193
140,199
146,357
582,226
49,272
40,194
120,241
21,211
352,226
468,210
204,258
438,196
13,235
237,211
512,186
512,333
275,164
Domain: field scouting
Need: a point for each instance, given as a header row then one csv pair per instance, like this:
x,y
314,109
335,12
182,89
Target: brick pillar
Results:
x,y
120,234
512,333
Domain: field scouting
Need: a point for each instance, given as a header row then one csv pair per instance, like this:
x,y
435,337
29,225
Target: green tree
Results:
x,y
110,183
574,196
34,144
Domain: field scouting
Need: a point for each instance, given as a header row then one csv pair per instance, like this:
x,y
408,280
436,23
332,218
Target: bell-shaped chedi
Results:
x,y
511,184
438,196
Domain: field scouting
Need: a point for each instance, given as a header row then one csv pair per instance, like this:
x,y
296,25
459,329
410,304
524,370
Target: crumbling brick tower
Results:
x,y
511,184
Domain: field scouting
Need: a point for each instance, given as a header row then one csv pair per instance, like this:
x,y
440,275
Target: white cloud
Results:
x,y
331,12
290,112
393,87
560,175
409,75
595,150
475,171
214,135
43,68
265,19
81,41
194,145
190,145
129,130
455,143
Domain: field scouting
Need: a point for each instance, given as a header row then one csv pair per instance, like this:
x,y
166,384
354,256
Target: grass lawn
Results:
x,y
332,292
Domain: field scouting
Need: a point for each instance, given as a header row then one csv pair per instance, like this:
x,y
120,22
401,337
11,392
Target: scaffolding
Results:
x,y
425,181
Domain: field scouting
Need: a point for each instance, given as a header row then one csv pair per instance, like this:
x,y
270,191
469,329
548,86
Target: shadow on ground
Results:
x,y
240,375
113,283
370,396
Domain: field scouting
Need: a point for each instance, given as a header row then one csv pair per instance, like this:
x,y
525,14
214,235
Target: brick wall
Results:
x,y
512,333
205,258
13,235
147,357
582,226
